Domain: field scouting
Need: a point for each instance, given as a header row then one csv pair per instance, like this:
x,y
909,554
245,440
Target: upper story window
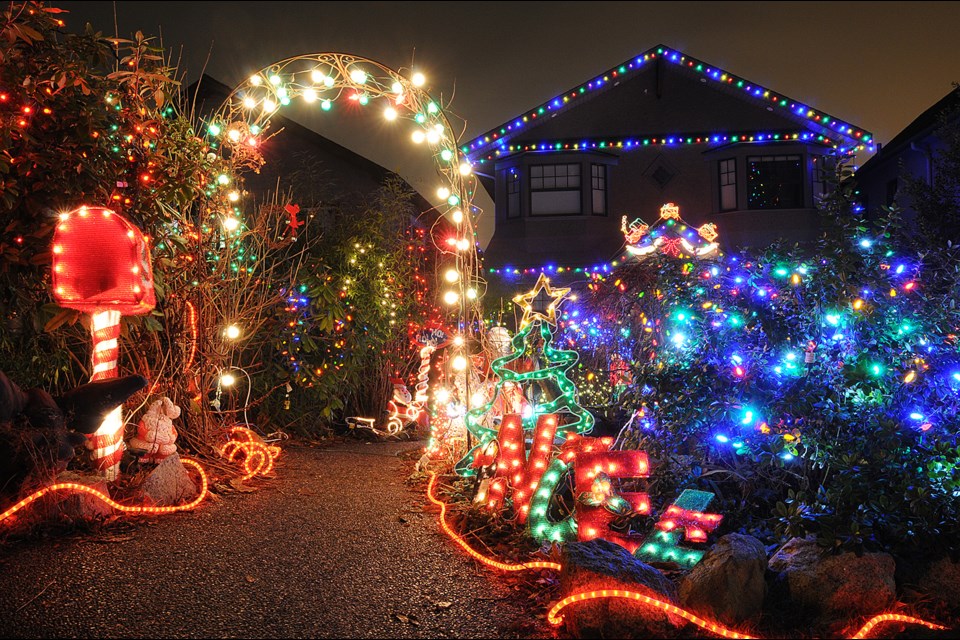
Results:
x,y
554,189
775,182
728,184
598,180
892,192
513,193
820,174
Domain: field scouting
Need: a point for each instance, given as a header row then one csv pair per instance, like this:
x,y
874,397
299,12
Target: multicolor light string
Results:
x,y
855,137
555,619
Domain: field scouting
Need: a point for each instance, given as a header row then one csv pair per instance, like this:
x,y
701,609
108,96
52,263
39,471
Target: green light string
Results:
x,y
560,360
541,527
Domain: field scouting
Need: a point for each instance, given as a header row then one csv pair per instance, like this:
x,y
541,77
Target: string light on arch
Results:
x,y
327,79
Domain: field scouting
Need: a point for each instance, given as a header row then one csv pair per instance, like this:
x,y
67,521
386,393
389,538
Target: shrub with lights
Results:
x,y
815,392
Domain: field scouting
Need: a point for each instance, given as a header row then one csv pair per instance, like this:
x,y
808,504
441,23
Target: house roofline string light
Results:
x,y
857,137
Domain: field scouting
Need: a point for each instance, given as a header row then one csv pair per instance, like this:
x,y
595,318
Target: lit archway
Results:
x,y
321,80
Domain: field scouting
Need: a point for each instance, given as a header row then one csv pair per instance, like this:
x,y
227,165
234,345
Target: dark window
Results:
x,y
728,184
820,174
775,182
598,180
554,189
891,192
513,193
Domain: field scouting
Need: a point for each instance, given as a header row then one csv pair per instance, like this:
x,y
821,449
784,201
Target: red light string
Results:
x,y
191,310
476,554
130,509
258,456
554,619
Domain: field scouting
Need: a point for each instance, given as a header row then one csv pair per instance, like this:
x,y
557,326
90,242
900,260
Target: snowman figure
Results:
x,y
155,432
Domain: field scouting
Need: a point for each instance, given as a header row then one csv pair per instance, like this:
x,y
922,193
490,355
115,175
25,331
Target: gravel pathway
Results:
x,y
335,546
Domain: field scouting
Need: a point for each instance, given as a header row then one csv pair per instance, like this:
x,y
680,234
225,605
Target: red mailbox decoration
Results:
x,y
101,266
101,262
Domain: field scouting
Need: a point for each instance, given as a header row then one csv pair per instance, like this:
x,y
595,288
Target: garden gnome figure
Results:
x,y
101,266
155,433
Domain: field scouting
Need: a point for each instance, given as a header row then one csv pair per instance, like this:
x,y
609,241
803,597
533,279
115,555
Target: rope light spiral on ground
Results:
x,y
258,456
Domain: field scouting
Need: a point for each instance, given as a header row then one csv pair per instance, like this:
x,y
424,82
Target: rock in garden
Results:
x,y
599,564
941,581
728,584
169,483
69,503
836,586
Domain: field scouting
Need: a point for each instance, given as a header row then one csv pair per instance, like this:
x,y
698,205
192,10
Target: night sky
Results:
x,y
877,65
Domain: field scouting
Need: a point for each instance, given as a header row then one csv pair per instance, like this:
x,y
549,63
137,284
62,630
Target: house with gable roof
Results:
x,y
661,127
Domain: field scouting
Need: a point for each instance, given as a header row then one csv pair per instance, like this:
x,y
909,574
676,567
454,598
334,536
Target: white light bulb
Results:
x,y
232,332
317,76
233,196
451,297
465,169
478,399
396,87
269,105
390,113
442,395
418,79
234,135
443,193
457,216
433,137
471,294
451,276
463,244
419,136
329,81
227,380
249,102
231,224
459,363
310,95
256,80
358,76
458,341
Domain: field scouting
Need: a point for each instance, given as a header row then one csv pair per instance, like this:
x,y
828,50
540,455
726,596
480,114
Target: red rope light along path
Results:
x,y
476,554
130,509
555,619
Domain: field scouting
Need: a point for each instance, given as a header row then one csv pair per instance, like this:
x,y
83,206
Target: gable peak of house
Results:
x,y
846,136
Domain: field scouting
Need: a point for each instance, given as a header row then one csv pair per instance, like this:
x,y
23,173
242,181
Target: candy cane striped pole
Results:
x,y
107,442
420,397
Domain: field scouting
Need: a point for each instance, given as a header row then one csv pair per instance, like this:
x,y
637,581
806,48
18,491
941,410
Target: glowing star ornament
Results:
x,y
101,266
541,302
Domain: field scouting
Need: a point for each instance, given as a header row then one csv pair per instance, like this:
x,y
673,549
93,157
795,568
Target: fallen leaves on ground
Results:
x,y
407,619
238,485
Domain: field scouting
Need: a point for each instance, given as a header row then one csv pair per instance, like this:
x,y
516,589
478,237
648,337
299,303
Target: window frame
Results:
x,y
513,179
721,173
773,158
554,189
603,180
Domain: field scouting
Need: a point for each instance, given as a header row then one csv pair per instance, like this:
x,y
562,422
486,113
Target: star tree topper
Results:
x,y
541,302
